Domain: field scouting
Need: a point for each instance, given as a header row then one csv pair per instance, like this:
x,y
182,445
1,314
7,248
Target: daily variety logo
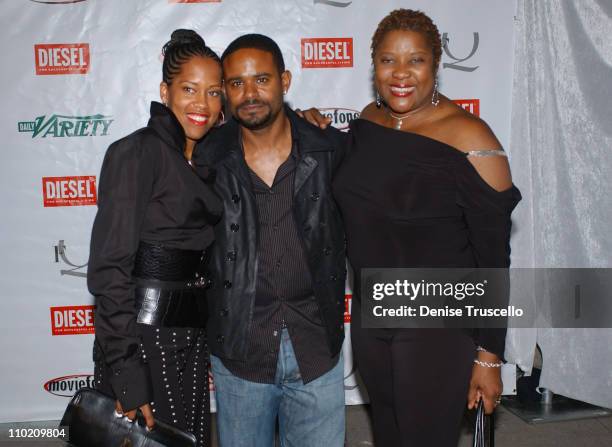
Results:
x,y
61,58
61,126
471,105
61,256
72,320
340,118
69,191
458,61
66,386
327,52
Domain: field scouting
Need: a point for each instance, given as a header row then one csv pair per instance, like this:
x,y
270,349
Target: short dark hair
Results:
x,y
410,20
258,42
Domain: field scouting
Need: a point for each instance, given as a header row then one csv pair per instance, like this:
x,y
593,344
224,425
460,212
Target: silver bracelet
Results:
x,y
480,349
488,364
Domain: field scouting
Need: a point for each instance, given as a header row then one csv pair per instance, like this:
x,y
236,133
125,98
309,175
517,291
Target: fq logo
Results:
x,y
340,118
61,58
471,105
327,52
69,191
72,320
68,385
60,126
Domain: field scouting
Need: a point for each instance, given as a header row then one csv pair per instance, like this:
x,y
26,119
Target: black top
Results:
x,y
411,201
147,192
284,295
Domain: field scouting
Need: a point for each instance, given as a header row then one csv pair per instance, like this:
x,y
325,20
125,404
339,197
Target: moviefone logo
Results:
x,y
61,58
66,386
471,105
327,52
62,126
69,191
72,320
340,118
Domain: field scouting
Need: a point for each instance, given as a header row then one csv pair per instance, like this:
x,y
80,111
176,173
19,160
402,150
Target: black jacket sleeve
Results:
x,y
125,189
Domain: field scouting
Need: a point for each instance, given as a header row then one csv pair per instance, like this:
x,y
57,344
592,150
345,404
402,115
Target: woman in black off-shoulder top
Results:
x,y
424,184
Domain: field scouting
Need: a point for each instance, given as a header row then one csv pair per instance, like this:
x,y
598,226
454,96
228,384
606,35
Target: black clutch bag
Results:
x,y
91,421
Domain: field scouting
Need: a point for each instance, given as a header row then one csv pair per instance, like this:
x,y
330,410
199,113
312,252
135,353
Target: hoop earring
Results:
x,y
378,100
220,120
435,96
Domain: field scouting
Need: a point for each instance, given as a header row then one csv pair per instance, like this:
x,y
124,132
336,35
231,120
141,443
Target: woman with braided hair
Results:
x,y
153,226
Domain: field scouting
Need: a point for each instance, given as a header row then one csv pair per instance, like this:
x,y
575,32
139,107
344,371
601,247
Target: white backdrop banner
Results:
x,y
80,74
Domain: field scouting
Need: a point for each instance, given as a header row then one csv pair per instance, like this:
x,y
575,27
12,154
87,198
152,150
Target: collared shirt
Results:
x,y
284,295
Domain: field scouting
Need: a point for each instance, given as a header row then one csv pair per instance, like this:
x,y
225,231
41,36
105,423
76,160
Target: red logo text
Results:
x,y
61,58
327,52
72,320
347,308
471,105
69,191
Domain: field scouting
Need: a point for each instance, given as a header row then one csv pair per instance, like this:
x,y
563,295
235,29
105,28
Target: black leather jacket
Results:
x,y
233,266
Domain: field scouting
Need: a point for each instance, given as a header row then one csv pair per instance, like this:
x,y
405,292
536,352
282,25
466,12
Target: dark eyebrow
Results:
x,y
385,53
256,75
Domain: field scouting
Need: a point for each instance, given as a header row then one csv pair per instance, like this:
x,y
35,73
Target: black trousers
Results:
x,y
178,360
417,381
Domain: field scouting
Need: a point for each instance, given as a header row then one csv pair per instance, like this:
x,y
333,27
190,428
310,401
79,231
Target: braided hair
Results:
x,y
182,46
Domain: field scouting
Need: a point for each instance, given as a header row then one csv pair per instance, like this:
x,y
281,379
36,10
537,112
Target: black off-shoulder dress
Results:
x,y
411,201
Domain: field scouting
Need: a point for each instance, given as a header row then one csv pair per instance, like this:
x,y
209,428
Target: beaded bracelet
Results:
x,y
488,364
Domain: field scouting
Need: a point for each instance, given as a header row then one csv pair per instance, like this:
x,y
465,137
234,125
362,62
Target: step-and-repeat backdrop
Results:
x,y
80,74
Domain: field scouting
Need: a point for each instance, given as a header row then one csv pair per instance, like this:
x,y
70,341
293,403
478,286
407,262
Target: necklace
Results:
x,y
399,119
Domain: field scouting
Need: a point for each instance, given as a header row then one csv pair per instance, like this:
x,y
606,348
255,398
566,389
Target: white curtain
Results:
x,y
561,142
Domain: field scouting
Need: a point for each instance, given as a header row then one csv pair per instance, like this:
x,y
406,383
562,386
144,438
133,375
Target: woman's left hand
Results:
x,y
486,383
313,116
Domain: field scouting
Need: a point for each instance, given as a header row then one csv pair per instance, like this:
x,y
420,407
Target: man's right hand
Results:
x,y
313,116
131,415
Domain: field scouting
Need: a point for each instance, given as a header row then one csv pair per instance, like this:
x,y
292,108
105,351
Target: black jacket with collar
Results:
x,y
233,265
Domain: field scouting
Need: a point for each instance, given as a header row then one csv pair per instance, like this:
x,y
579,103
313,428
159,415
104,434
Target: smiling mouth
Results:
x,y
197,119
401,92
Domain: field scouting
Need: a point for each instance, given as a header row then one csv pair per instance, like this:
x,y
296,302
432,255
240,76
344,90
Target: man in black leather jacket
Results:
x,y
277,270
